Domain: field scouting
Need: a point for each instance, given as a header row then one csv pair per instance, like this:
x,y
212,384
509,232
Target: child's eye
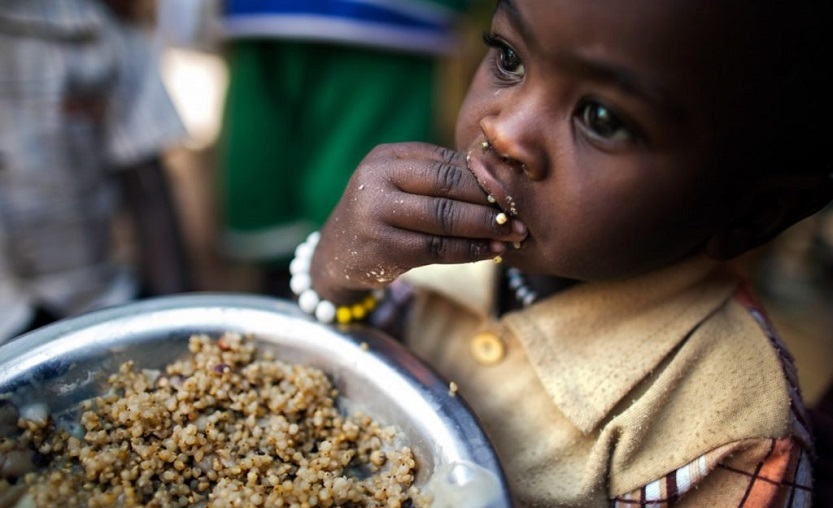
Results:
x,y
507,60
603,123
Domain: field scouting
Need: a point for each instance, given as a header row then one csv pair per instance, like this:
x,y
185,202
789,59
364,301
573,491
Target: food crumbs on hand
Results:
x,y
452,389
513,207
501,218
364,346
498,260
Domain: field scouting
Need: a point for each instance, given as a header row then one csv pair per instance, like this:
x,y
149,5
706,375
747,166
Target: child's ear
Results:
x,y
772,205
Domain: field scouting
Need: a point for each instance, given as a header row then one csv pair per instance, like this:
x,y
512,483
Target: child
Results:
x,y
613,356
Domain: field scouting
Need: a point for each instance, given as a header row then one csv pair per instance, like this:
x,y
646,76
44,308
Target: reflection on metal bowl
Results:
x,y
69,361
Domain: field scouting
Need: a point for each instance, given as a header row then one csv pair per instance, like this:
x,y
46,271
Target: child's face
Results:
x,y
601,115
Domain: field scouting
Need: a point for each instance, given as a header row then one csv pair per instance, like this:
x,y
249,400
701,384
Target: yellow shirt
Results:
x,y
637,389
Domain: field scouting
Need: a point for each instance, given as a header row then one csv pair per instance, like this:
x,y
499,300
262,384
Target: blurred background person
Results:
x,y
84,121
313,86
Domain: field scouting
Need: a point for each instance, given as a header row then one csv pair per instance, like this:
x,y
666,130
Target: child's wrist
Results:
x,y
355,307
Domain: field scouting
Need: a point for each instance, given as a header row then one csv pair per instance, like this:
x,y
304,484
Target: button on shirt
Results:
x,y
80,96
487,348
626,393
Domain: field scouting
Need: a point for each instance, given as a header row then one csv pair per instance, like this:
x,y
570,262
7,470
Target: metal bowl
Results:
x,y
68,361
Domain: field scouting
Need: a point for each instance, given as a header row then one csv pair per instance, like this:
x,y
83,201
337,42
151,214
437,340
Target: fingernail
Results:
x,y
497,247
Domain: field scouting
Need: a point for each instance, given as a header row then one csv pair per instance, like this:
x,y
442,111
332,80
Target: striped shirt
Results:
x,y
425,26
80,96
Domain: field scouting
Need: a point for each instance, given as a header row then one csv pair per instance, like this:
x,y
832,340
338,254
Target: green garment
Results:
x,y
299,118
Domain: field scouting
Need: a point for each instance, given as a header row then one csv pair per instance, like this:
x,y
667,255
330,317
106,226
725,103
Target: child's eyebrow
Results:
x,y
516,18
622,78
597,70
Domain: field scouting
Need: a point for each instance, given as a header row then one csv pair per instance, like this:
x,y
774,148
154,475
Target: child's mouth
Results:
x,y
495,194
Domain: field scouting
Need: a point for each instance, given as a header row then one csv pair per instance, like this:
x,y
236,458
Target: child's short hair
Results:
x,y
788,90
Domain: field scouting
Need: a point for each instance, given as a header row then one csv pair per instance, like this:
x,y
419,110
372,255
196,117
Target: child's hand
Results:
x,y
406,205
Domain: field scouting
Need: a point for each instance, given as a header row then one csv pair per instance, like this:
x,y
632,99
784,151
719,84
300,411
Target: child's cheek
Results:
x,y
472,111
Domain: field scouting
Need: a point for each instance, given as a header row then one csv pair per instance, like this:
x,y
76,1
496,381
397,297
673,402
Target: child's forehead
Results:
x,y
675,43
682,22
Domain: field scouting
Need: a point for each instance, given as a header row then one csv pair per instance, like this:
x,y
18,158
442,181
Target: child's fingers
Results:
x,y
419,151
430,170
424,249
439,179
445,217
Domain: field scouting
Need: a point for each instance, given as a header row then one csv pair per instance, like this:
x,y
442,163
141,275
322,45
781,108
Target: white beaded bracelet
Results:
x,y
308,300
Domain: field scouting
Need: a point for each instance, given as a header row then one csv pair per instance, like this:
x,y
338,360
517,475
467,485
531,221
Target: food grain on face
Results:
x,y
222,427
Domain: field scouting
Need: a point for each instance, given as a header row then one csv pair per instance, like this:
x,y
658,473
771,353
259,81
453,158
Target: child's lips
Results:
x,y
496,193
489,183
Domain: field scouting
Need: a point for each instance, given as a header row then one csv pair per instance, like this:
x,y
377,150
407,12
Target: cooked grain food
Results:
x,y
223,427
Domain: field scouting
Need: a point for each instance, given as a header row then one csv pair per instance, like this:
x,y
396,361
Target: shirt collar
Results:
x,y
593,343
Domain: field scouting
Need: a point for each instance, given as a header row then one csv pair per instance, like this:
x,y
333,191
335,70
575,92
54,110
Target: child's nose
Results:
x,y
510,139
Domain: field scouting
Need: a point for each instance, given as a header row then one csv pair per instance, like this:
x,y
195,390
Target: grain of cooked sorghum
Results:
x,y
222,427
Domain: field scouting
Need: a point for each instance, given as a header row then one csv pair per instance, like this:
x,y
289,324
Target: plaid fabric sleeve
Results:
x,y
752,473
749,473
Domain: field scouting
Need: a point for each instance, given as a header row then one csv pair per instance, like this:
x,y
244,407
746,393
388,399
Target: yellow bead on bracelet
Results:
x,y
309,301
346,314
